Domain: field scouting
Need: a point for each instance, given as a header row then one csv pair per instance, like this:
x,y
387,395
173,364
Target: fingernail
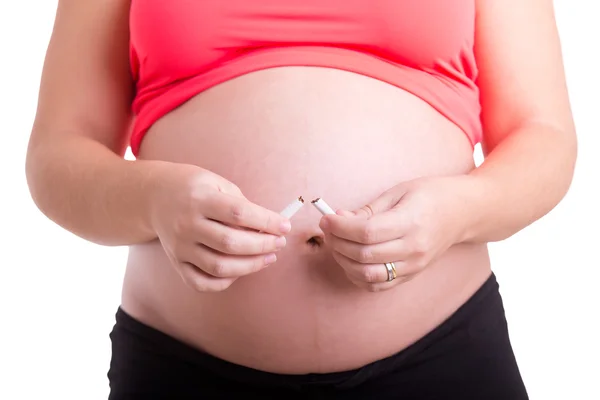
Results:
x,y
285,227
280,242
270,259
324,223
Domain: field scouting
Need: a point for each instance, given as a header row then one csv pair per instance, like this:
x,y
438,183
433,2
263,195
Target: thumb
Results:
x,y
231,189
345,213
385,202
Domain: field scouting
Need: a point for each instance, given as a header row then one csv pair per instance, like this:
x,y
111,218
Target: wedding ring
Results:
x,y
391,271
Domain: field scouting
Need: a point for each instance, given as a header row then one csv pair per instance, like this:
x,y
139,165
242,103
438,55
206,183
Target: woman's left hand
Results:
x,y
410,225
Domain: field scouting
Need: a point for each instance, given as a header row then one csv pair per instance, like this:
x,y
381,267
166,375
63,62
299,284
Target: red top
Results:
x,y
181,47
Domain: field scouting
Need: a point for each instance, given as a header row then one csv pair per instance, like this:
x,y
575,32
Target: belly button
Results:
x,y
315,242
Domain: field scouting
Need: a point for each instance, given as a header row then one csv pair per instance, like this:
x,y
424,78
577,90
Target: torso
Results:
x,y
284,132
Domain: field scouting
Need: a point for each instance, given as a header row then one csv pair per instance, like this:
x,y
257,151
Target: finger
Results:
x,y
383,203
345,213
364,273
396,249
381,286
377,287
232,189
377,229
220,265
233,241
198,280
241,212
407,270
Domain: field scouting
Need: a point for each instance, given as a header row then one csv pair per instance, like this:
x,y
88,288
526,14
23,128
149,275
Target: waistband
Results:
x,y
487,295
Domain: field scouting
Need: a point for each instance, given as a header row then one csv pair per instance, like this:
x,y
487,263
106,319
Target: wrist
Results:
x,y
474,207
164,184
156,177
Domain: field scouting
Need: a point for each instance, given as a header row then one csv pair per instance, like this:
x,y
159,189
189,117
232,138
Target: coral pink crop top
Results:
x,y
181,47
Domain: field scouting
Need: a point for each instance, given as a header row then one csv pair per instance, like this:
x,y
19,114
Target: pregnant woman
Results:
x,y
235,108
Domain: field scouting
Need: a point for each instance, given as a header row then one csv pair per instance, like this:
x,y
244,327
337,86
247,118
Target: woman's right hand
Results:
x,y
211,233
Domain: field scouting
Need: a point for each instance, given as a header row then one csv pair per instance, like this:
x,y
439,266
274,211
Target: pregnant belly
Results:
x,y
279,134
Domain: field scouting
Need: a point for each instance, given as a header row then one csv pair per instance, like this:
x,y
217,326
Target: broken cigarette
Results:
x,y
292,208
322,206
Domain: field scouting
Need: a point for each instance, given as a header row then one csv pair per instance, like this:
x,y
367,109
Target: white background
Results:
x,y
58,293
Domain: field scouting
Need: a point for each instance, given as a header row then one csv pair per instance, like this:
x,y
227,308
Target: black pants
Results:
x,y
467,357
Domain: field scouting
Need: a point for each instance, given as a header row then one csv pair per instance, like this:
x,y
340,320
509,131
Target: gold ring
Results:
x,y
391,271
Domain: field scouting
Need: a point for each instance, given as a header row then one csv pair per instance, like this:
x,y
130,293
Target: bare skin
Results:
x,y
301,313
295,316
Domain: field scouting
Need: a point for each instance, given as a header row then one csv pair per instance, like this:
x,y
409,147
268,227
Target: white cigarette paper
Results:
x,y
292,208
322,206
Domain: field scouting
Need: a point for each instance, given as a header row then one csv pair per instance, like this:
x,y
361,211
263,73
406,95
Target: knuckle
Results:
x,y
266,245
419,221
197,193
199,198
267,222
365,255
237,212
228,243
420,263
258,264
233,189
420,245
219,267
369,274
369,233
